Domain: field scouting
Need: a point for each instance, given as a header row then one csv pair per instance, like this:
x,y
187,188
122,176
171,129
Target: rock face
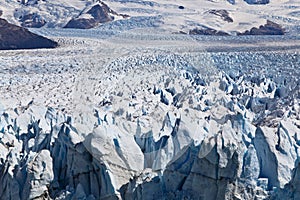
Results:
x,y
270,28
32,21
14,37
207,31
223,14
97,14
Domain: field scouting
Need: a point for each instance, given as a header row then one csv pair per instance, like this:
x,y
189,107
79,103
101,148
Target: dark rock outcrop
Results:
x,y
270,28
15,37
224,14
99,13
207,31
82,23
32,20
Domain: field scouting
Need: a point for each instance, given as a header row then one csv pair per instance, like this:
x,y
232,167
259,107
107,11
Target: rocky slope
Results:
x,y
93,16
14,37
270,28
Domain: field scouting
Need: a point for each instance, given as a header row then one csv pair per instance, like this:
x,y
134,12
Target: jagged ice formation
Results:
x,y
152,124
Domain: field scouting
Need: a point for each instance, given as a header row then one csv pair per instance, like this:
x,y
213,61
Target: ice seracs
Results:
x,y
128,111
149,124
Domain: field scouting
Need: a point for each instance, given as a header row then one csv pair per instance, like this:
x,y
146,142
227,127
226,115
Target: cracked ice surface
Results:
x,y
160,119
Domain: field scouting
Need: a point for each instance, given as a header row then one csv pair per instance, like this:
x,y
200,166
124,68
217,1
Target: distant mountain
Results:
x,y
208,17
61,13
15,37
270,28
93,16
32,20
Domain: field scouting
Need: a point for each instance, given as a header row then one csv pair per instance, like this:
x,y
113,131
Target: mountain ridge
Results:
x,y
178,16
14,37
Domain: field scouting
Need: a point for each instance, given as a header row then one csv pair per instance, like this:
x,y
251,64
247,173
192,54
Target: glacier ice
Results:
x,y
148,122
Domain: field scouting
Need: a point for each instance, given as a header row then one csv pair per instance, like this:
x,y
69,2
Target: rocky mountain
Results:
x,y
230,17
270,28
14,37
69,14
32,20
92,17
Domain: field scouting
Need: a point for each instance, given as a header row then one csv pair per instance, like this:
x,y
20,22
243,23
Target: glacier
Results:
x,y
148,116
137,109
